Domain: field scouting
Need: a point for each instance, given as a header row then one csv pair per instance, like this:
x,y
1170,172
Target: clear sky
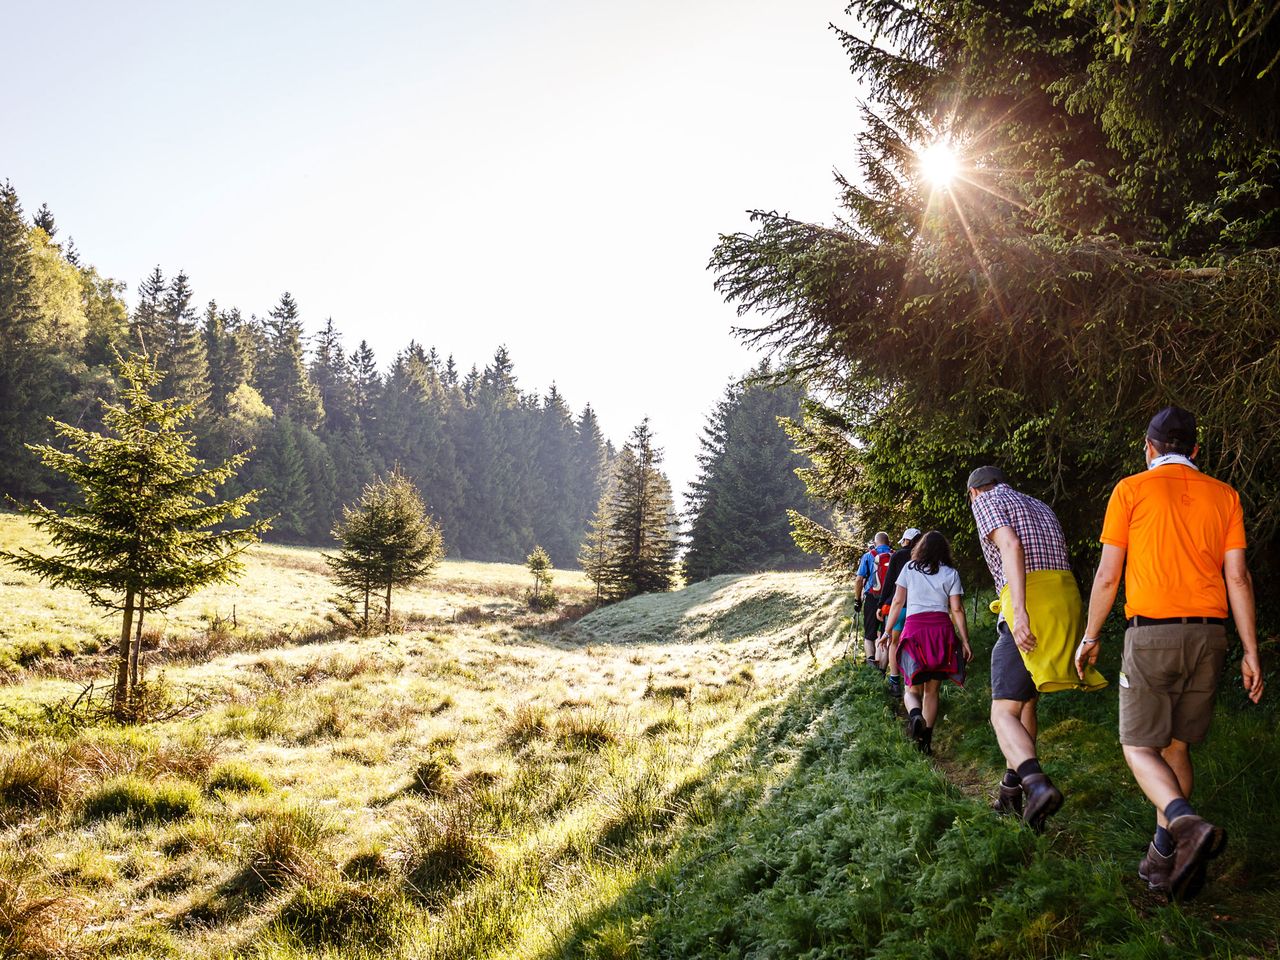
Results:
x,y
551,176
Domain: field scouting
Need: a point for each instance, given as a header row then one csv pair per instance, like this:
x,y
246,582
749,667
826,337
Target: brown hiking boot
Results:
x,y
1008,801
1041,800
1156,869
1198,841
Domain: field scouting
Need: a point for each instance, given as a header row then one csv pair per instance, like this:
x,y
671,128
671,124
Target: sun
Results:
x,y
939,163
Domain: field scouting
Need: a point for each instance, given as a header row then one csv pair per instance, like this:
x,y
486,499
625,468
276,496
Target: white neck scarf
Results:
x,y
1171,458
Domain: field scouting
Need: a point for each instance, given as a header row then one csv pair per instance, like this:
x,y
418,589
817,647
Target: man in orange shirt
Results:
x,y
1182,534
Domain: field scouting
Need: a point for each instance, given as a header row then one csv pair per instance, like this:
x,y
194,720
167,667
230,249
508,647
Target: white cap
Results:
x,y
909,534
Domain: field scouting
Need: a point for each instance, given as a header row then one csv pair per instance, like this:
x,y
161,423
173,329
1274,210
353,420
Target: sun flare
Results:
x,y
939,163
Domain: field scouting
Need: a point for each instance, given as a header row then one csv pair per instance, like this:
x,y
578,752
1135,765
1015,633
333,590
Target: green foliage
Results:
x,y
632,546
388,540
541,596
143,800
143,534
746,483
1109,240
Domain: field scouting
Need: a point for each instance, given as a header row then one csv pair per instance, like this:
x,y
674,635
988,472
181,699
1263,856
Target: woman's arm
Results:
x,y
899,601
961,624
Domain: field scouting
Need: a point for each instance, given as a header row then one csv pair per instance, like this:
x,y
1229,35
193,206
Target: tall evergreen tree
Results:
x,y
331,373
747,482
24,360
146,326
642,521
139,537
181,351
366,386
283,379
44,220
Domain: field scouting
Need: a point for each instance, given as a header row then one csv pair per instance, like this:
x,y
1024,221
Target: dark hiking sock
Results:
x,y
1011,779
1179,808
1028,767
1163,842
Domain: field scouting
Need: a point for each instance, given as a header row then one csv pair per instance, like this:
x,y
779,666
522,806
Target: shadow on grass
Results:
x,y
826,835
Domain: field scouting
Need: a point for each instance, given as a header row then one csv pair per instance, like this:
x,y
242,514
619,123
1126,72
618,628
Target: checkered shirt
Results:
x,y
1035,524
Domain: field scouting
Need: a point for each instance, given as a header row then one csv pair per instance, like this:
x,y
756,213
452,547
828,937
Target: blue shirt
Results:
x,y
866,566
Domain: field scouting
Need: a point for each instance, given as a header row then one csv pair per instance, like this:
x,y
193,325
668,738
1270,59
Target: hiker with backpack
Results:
x,y
891,629
929,596
873,569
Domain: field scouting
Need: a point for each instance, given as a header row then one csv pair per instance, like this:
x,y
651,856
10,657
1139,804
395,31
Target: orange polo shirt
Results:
x,y
1176,525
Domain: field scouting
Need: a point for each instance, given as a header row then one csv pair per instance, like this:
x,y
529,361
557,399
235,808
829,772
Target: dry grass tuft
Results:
x,y
445,851
529,722
36,921
290,845
590,728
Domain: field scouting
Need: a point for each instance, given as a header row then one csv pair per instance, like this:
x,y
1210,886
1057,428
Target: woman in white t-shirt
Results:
x,y
929,589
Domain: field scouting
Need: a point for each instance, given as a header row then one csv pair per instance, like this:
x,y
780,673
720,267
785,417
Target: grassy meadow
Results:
x,y
694,774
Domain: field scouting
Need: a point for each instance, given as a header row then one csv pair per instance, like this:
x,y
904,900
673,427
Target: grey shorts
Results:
x,y
1010,679
1168,682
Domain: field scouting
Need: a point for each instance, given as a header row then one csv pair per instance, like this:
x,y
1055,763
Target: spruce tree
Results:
x,y
24,366
387,540
539,564
331,373
747,482
146,326
283,379
366,386
143,533
593,555
642,522
44,220
181,353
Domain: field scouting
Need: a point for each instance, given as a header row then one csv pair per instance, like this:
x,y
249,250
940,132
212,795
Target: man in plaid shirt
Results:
x,y
1023,544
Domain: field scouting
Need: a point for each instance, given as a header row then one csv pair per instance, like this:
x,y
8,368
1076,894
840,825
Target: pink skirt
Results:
x,y
929,650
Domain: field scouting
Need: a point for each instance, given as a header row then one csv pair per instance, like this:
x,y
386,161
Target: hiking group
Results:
x,y
1175,537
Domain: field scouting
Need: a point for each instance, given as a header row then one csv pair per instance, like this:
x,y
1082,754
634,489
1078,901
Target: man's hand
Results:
x,y
857,605
1022,635
1086,655
1251,674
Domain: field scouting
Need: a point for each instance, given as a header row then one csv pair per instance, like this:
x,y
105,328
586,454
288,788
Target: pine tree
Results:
x,y
283,379
143,534
642,540
44,220
180,353
593,555
539,564
146,326
388,540
24,362
366,385
747,482
331,373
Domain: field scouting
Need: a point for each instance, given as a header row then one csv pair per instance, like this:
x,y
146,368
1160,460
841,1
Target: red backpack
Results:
x,y
880,572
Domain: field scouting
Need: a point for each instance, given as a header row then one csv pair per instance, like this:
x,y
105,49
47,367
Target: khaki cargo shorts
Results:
x,y
1168,681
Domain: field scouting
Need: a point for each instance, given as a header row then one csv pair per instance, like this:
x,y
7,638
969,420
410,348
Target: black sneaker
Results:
x,y
895,687
916,729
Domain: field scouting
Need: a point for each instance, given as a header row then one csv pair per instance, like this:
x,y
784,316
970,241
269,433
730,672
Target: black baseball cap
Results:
x,y
1173,425
985,475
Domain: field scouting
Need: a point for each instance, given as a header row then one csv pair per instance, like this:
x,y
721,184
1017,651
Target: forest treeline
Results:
x,y
501,469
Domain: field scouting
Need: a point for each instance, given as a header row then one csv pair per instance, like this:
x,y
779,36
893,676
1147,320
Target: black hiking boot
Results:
x,y
1008,800
1041,800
